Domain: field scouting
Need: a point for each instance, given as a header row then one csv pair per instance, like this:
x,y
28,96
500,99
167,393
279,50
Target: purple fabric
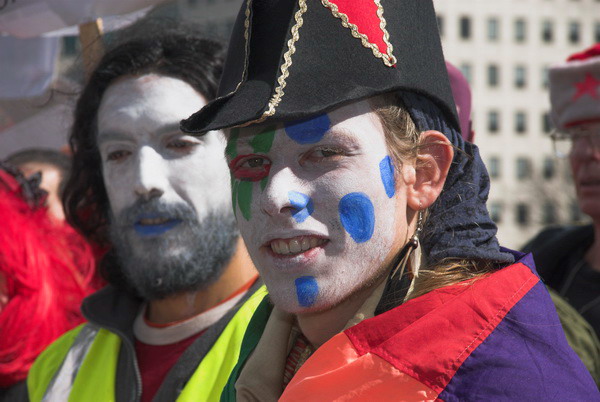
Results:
x,y
526,358
461,91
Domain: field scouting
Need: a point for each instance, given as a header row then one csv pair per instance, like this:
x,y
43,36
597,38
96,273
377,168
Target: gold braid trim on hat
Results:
x,y
246,50
276,98
388,58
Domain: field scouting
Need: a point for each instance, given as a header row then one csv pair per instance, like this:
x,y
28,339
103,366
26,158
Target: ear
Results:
x,y
433,163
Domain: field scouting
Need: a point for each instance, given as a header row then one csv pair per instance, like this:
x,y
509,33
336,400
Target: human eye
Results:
x,y
117,156
181,144
250,167
324,153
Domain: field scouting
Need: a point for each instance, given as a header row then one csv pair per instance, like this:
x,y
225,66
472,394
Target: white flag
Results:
x,y
26,66
30,18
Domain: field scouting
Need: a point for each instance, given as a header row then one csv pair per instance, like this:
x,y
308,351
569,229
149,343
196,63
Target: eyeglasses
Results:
x,y
575,141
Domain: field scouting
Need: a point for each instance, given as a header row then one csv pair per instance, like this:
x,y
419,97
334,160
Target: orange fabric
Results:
x,y
241,290
336,372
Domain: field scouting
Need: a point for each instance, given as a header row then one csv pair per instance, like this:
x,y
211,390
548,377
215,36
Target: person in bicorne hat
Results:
x,y
364,212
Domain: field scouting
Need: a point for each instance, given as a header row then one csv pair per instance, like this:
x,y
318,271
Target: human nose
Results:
x,y
151,177
276,198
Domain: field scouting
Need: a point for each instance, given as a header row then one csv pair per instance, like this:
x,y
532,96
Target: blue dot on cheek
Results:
x,y
358,216
308,131
302,204
307,290
386,168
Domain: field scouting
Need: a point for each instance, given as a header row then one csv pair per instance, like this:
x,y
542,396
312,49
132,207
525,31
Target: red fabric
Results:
x,y
47,269
363,14
155,361
408,337
593,51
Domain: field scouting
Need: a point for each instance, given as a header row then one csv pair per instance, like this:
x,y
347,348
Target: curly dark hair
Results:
x,y
178,52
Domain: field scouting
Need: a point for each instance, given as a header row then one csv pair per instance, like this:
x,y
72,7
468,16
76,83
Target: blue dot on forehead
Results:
x,y
358,216
308,131
307,290
302,205
386,168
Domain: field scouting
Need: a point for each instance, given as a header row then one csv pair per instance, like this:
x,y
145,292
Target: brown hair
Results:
x,y
403,142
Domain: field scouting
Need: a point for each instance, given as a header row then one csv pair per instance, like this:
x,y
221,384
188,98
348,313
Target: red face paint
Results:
x,y
250,167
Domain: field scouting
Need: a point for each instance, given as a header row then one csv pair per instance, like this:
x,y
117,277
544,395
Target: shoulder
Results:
x,y
548,237
48,363
480,340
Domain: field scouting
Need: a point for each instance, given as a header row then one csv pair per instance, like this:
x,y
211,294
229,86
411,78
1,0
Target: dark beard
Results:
x,y
189,257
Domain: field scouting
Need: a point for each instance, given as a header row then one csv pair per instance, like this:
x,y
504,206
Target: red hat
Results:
x,y
575,89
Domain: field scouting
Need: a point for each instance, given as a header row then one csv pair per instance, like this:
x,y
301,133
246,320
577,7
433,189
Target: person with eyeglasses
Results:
x,y
568,258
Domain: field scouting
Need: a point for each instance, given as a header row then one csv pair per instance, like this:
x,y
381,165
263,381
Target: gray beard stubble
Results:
x,y
187,258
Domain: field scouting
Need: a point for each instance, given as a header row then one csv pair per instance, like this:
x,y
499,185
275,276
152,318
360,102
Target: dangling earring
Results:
x,y
409,249
398,286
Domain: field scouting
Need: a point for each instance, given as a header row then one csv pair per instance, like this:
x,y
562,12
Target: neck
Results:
x,y
321,326
592,256
185,305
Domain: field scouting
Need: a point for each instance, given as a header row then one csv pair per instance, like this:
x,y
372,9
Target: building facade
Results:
x,y
505,48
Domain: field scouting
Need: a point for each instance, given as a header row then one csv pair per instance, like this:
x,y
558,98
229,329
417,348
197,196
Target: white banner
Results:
x,y
30,18
47,129
26,66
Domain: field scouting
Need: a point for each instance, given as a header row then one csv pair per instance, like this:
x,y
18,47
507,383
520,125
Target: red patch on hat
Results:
x,y
365,18
589,86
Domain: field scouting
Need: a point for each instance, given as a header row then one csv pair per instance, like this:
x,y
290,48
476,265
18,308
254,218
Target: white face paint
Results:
x,y
145,156
316,204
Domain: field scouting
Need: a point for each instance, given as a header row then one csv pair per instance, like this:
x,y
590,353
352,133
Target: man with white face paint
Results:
x,y
371,233
182,288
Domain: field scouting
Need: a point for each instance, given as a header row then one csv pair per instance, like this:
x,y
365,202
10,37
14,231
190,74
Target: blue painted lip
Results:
x,y
155,230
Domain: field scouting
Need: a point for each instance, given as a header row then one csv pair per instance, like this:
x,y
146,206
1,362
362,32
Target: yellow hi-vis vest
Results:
x,y
82,364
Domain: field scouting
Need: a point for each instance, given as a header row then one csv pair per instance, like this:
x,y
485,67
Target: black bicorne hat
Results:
x,y
293,59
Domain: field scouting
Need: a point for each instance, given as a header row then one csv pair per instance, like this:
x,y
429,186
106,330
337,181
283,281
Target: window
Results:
x,y
465,28
520,30
493,29
440,24
547,31
467,71
520,122
597,32
549,216
496,212
493,121
545,76
70,45
522,214
494,167
574,32
549,170
492,75
546,123
523,168
520,77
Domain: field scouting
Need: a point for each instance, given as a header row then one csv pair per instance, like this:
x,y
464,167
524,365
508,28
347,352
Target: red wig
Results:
x,y
47,269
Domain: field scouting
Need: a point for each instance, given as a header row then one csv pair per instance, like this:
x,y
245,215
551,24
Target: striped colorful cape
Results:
x,y
498,338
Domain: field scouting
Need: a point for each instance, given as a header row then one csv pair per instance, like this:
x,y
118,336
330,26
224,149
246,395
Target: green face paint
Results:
x,y
245,197
242,190
231,148
263,141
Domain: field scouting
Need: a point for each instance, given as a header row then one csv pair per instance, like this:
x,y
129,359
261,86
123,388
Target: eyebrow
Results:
x,y
110,135
107,136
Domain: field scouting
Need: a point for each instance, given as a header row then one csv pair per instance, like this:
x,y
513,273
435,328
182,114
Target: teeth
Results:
x,y
295,245
156,221
305,244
